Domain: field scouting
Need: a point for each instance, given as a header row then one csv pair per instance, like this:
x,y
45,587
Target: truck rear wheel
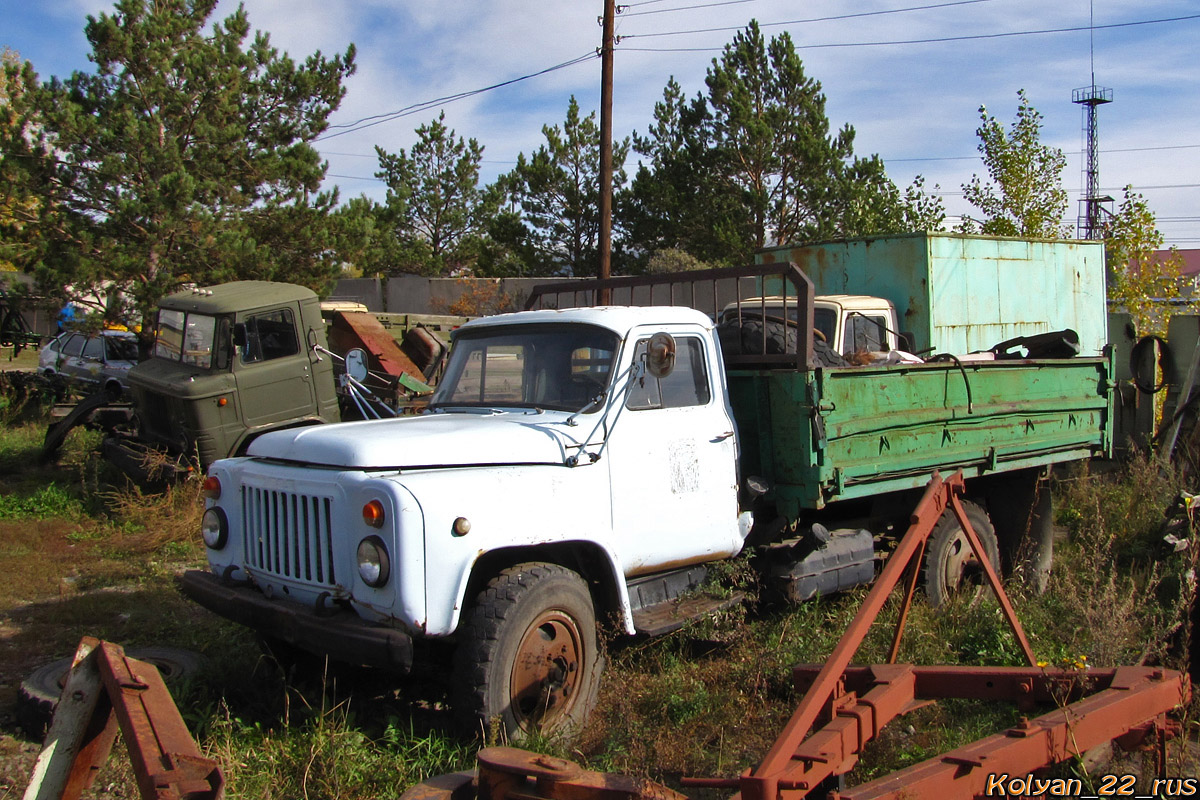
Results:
x,y
528,659
951,567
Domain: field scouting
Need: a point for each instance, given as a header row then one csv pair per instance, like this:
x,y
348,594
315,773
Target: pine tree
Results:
x,y
435,206
558,188
185,156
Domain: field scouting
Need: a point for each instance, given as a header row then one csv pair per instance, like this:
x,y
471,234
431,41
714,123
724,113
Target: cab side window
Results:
x,y
270,335
93,350
865,333
74,345
687,385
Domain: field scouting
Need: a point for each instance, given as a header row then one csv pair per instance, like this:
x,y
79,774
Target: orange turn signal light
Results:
x,y
211,488
373,514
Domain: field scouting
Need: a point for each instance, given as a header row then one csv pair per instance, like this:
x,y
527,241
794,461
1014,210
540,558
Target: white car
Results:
x,y
97,361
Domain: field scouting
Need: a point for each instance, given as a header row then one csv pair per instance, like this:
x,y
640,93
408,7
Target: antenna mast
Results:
x,y
1091,205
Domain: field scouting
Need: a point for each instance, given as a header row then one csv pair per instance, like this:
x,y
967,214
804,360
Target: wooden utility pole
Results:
x,y
606,154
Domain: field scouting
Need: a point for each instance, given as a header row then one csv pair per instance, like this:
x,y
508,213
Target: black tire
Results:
x,y
951,568
528,659
39,692
755,336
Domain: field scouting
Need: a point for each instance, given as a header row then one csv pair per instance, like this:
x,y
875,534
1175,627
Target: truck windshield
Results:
x,y
192,339
562,367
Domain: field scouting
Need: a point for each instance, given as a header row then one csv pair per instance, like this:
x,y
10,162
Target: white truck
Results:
x,y
587,464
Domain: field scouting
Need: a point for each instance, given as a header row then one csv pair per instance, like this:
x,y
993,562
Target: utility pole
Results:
x,y
606,154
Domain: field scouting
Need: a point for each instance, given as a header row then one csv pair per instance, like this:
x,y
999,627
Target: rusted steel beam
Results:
x,y
505,773
166,761
780,769
993,580
1135,696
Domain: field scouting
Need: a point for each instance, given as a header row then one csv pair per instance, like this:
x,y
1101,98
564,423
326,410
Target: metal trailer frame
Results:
x,y
852,704
106,691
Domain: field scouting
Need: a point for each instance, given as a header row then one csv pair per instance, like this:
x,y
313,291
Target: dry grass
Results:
x,y
98,557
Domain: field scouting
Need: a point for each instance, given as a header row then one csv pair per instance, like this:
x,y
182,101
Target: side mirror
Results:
x,y
239,334
660,355
356,364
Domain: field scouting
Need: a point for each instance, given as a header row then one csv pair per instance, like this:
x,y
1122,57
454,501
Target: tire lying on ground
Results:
x,y
40,691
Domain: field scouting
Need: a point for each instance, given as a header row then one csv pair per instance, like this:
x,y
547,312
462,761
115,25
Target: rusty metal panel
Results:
x,y
359,329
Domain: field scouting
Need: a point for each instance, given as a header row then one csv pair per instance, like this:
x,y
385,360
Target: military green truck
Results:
x,y
234,361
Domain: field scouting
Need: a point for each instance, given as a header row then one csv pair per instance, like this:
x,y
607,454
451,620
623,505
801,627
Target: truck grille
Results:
x,y
289,535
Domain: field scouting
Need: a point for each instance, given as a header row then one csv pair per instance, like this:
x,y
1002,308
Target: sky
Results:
x,y
909,76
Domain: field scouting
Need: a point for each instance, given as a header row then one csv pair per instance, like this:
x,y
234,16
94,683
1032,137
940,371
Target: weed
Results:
x,y
48,501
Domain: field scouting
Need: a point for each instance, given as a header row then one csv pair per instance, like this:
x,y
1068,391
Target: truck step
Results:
x,y
671,615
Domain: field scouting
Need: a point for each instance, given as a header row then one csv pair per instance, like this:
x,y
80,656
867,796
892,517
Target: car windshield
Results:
x,y
120,348
189,338
551,366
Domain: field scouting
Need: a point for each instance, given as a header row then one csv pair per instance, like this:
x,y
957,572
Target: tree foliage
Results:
x,y
1024,195
1150,287
558,189
754,163
185,156
435,208
18,207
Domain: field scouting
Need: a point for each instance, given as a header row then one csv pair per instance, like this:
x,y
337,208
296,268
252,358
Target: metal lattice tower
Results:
x,y
1091,205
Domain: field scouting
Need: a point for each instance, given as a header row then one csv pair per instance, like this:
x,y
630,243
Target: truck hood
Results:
x,y
432,440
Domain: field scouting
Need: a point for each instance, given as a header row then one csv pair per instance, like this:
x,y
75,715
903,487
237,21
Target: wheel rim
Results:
x,y
961,565
546,671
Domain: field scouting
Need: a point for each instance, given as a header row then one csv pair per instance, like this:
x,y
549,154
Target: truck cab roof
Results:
x,y
619,319
236,296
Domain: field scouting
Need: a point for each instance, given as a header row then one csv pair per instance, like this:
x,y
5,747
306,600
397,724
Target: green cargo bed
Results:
x,y
882,429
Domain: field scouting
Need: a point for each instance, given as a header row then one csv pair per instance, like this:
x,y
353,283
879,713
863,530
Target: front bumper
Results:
x,y
335,632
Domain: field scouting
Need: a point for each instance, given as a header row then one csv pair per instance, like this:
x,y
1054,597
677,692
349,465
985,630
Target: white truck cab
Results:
x,y
565,455
848,323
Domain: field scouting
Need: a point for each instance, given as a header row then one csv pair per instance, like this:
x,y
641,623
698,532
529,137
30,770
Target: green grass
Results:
x,y
83,554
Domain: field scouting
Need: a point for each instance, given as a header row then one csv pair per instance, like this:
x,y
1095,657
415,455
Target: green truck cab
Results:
x,y
229,363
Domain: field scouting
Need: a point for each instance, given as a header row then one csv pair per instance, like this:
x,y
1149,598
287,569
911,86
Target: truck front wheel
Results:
x,y
951,567
528,659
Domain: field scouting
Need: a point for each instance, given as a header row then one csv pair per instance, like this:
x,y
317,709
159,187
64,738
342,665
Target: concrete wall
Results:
x,y
413,294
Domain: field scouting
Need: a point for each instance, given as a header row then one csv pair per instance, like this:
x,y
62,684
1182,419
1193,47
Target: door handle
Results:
x,y
720,437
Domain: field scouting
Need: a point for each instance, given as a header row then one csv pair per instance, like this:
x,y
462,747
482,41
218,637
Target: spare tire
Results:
x,y
756,336
39,692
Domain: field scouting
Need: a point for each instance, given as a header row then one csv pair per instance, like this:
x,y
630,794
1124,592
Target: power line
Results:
x,y
1070,153
795,21
683,8
379,119
939,40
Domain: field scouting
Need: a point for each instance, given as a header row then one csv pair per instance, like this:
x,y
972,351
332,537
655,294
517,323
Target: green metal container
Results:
x,y
960,294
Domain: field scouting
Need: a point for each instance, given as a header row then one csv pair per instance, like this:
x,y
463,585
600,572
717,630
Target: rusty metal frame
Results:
x,y
105,692
852,704
683,289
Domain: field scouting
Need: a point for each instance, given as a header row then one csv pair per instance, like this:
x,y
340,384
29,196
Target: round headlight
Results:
x,y
214,527
374,567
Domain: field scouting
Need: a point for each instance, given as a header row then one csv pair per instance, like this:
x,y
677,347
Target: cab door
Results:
x,y
672,457
273,373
